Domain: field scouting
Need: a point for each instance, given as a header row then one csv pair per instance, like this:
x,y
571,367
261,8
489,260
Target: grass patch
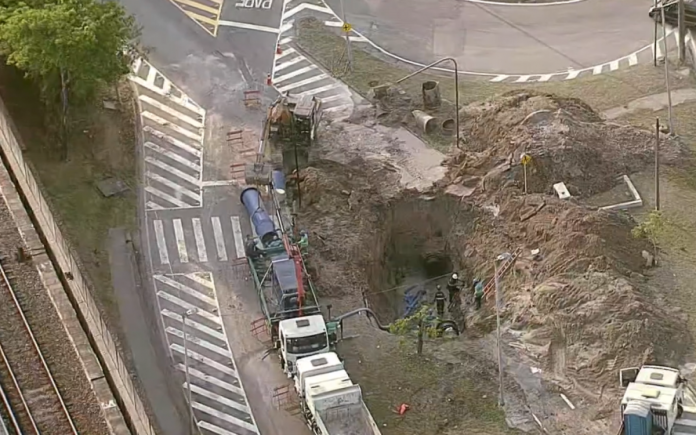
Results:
x,y
602,92
102,145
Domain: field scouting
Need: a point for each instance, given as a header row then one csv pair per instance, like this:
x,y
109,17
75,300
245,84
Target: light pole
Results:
x,y
498,300
185,316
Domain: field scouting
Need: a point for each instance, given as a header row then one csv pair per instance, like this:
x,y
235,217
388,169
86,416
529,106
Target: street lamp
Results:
x,y
498,300
184,317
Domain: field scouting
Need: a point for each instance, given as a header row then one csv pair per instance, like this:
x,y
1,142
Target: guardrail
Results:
x,y
77,287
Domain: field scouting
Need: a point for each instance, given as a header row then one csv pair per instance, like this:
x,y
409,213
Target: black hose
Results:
x,y
447,324
367,311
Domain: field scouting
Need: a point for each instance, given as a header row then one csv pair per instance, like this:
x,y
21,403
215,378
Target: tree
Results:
x,y
651,228
422,322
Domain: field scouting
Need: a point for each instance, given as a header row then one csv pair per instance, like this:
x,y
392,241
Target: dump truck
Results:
x,y
330,402
657,400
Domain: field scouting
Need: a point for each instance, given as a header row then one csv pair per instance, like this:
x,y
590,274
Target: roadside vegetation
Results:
x,y
61,79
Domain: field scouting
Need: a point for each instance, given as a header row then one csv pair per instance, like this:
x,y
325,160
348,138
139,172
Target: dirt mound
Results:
x,y
567,140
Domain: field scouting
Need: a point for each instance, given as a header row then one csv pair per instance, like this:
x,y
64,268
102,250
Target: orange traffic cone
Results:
x,y
403,408
279,50
269,82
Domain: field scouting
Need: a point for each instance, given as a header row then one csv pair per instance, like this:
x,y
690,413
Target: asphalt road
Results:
x,y
504,39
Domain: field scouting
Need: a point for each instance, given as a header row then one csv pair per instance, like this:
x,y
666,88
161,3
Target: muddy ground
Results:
x,y
383,214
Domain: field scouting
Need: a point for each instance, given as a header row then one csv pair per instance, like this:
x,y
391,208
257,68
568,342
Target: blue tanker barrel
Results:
x,y
263,225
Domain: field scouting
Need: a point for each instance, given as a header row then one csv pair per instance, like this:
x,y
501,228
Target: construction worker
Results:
x,y
304,242
478,292
440,299
453,287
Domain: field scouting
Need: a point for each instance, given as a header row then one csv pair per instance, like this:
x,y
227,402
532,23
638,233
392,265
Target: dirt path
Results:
x,y
655,102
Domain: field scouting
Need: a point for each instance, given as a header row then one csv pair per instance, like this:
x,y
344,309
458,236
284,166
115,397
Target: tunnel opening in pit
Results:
x,y
415,250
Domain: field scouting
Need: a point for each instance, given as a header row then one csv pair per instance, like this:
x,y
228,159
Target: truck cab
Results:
x,y
301,337
653,399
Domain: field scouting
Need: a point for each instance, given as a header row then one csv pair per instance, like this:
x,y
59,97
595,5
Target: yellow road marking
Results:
x,y
200,6
208,24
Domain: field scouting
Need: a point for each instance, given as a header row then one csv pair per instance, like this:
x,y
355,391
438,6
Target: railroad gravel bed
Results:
x,y
48,331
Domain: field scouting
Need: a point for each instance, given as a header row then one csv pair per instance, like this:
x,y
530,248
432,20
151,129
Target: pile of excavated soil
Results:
x,y
567,140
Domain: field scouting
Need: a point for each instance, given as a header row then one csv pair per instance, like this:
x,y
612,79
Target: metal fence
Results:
x,y
78,288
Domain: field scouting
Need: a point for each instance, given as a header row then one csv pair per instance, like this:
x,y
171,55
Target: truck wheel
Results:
x,y
282,363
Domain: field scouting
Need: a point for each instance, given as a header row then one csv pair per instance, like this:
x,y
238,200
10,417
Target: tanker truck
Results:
x,y
330,402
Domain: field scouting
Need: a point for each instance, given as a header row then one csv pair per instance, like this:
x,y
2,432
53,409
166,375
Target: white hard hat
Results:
x,y
455,276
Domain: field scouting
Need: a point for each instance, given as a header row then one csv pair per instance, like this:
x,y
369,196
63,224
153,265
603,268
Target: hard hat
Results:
x,y
476,280
438,287
455,276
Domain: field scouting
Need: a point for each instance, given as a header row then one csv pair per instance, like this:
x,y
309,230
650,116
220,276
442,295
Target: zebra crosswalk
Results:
x,y
173,133
201,352
180,241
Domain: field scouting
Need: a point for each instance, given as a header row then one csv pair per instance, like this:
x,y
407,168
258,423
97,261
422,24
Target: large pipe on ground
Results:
x,y
424,121
260,220
431,95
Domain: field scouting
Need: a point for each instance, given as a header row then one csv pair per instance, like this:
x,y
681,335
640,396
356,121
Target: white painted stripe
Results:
x,y
218,398
164,123
301,83
573,74
522,79
614,65
222,416
184,176
195,325
316,91
499,78
333,98
295,73
247,26
152,206
339,108
237,233
333,23
214,429
633,59
167,197
182,101
161,242
212,380
167,86
289,63
198,278
175,187
597,70
205,360
545,78
136,64
219,239
358,38
180,241
151,76
220,183
303,6
172,155
286,26
185,289
284,53
194,150
285,41
200,240
175,113
193,340
185,305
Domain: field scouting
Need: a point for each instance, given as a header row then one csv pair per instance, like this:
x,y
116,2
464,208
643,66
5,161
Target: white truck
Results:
x,y
330,402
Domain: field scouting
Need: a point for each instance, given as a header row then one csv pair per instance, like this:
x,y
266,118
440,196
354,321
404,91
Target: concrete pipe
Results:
x,y
431,95
424,121
448,126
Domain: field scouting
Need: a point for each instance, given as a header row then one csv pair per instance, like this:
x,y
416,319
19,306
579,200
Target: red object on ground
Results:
x,y
269,82
403,408
279,50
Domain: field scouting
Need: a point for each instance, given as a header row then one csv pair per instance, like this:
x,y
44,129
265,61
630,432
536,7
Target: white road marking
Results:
x,y
545,78
597,70
180,241
192,339
573,74
237,233
205,360
174,141
303,6
301,83
614,65
220,183
136,64
175,113
200,240
184,289
152,206
185,305
319,90
218,398
226,417
333,98
212,380
287,26
522,79
219,239
248,26
195,325
295,73
195,277
285,52
173,170
285,41
214,429
289,63
170,125
161,243
499,78
171,155
338,108
154,191
333,23
175,187
633,59
151,76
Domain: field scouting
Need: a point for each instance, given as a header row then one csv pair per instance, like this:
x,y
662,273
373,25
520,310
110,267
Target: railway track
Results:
x,y
29,391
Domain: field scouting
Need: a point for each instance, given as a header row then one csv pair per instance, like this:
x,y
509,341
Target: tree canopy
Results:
x,y
84,41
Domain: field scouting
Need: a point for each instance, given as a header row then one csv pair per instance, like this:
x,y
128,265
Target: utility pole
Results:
x,y
346,29
682,33
657,164
655,36
498,303
184,317
669,92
